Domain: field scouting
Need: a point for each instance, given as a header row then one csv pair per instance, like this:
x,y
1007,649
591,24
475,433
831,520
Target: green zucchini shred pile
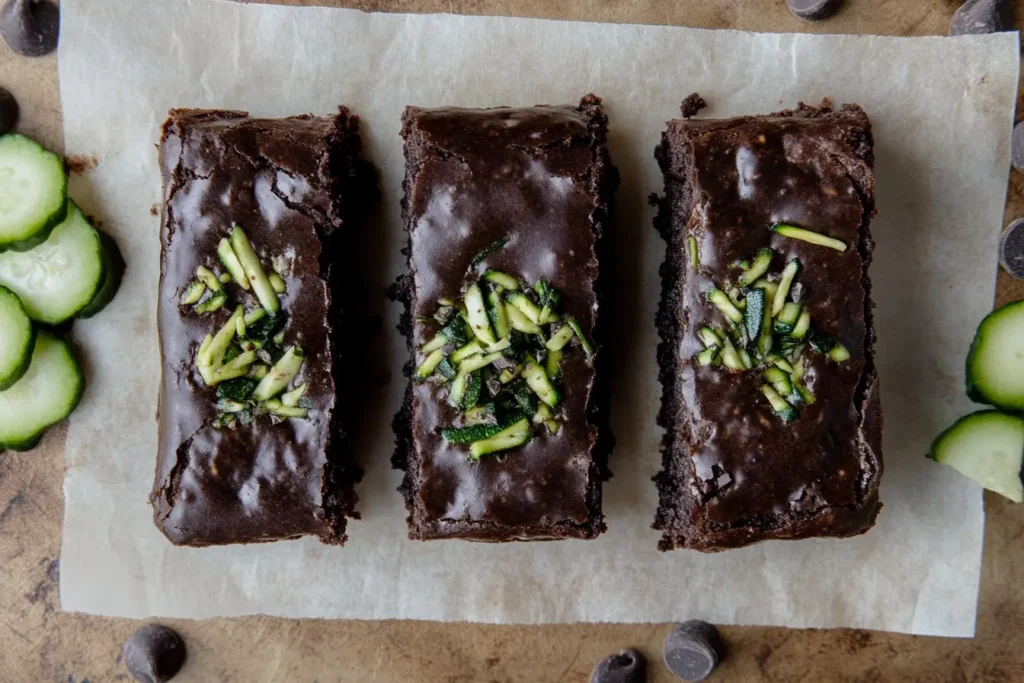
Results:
x,y
767,328
498,355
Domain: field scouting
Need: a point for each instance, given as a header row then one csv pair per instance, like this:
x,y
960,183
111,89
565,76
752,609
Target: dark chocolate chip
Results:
x,y
1011,249
1017,147
626,667
8,111
154,654
814,10
30,27
692,104
691,650
982,16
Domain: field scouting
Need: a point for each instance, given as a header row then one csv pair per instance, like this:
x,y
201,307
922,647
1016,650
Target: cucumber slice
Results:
x,y
988,447
61,277
17,339
113,270
33,192
995,363
44,396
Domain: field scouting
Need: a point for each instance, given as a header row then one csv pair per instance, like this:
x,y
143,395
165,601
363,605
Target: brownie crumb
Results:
x,y
692,104
79,163
154,210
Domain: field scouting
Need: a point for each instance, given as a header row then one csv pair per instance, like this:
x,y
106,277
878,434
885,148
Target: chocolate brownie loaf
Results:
x,y
250,427
770,396
503,435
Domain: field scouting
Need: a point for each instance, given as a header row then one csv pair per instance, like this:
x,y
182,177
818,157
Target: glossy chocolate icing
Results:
x,y
537,175
735,473
275,179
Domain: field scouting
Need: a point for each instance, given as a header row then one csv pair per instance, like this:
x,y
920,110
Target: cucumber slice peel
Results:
x,y
44,396
988,447
33,193
995,363
17,339
113,271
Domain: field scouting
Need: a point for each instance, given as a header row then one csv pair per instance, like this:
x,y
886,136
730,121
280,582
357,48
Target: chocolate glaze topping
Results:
x,y
30,27
274,178
734,473
538,175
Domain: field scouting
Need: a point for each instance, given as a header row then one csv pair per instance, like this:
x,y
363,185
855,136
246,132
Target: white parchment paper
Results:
x,y
942,112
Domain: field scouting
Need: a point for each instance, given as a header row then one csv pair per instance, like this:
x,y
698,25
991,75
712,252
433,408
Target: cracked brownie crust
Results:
x,y
542,176
284,181
734,474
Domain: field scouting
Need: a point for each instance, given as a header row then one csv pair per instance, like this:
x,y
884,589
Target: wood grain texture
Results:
x,y
39,644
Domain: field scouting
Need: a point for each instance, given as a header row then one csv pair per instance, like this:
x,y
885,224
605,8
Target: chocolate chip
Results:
x,y
154,654
814,10
30,27
626,667
1011,249
691,650
982,16
1017,147
8,111
692,104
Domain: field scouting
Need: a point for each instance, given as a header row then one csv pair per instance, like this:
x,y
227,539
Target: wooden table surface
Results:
x,y
39,644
